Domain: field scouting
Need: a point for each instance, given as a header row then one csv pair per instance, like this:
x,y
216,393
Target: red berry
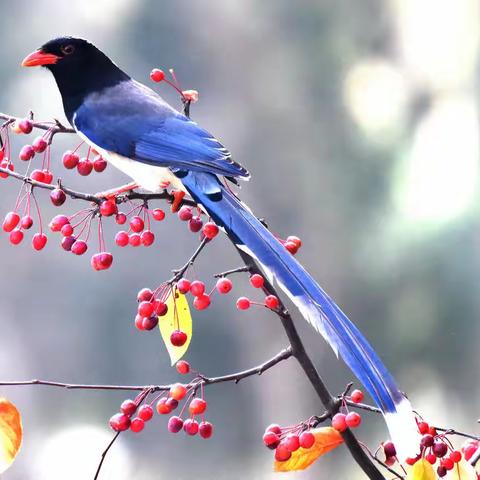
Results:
x,y
5,164
339,422
469,450
37,175
448,463
172,403
271,440
39,145
272,302
137,224
120,422
423,427
175,424
39,241
431,458
389,449
224,285
137,425
291,247
282,453
121,239
197,288
145,308
134,240
257,280
205,429
102,261
108,208
26,222
426,441
441,471
243,303
157,75
197,406
190,426
16,236
201,302
295,240
183,285
120,218
274,428
11,220
307,439
185,213
158,214
67,243
70,160
210,230
2,154
25,125
162,407
195,224
292,442
67,230
26,153
79,247
145,412
183,367
439,448
57,197
147,237
353,419
58,222
357,396
178,338
128,407
144,295
47,176
456,456
99,164
412,460
84,167
139,322
178,391
149,323
160,308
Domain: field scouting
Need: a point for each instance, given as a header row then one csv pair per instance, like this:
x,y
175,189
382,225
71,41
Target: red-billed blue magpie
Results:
x,y
142,135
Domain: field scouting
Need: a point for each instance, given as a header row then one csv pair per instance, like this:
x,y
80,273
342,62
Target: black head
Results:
x,y
79,69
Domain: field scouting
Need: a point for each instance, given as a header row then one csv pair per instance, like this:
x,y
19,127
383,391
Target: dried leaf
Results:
x,y
177,318
463,471
422,470
326,439
10,433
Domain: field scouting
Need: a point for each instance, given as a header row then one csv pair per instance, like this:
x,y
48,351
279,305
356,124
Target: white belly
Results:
x,y
145,176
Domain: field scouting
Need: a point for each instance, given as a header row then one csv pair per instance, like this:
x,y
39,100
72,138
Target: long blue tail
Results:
x,y
250,235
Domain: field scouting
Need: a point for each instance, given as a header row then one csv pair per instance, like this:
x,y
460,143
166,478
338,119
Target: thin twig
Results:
x,y
104,454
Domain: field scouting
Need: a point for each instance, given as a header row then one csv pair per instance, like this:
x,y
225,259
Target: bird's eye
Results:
x,y
68,49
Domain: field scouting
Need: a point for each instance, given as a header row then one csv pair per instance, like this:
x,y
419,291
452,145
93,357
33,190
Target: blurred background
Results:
x,y
359,124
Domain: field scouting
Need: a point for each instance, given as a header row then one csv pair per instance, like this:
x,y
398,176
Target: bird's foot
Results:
x,y
114,192
177,200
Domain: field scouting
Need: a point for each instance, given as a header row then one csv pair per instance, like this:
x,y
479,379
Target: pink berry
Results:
x,y
26,153
5,164
353,419
39,241
147,237
357,396
292,442
257,281
67,243
201,302
197,406
25,125
190,426
57,197
282,453
102,261
16,236
389,449
272,302
128,407
210,230
145,412
339,422
37,175
195,224
185,213
47,176
275,428
157,75
197,288
84,167
149,323
271,440
439,448
67,230
144,295
11,220
70,160
183,367
120,218
39,145
307,439
137,425
108,208
145,308
224,285
243,303
121,239
183,285
134,240
175,424
26,222
79,247
158,214
137,224
291,247
99,164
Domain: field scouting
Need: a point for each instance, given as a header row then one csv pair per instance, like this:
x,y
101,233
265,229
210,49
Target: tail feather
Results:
x,y
249,234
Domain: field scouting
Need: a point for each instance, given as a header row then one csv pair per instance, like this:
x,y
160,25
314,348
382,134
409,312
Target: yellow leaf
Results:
x,y
463,471
177,318
422,470
10,433
326,439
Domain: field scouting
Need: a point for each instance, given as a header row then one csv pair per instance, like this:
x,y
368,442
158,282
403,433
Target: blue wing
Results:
x,y
133,121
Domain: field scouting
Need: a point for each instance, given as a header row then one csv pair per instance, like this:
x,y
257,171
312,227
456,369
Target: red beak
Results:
x,y
38,58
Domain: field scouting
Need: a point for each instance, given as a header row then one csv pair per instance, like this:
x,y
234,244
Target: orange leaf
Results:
x,y
10,433
326,439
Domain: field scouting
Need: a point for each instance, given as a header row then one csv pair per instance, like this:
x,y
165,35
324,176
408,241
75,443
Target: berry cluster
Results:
x,y
151,305
84,165
287,440
157,75
346,419
165,404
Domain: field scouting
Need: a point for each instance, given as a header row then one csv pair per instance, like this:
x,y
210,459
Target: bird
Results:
x,y
138,132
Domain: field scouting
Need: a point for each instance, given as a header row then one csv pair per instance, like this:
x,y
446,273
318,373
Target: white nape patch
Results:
x,y
403,430
145,176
